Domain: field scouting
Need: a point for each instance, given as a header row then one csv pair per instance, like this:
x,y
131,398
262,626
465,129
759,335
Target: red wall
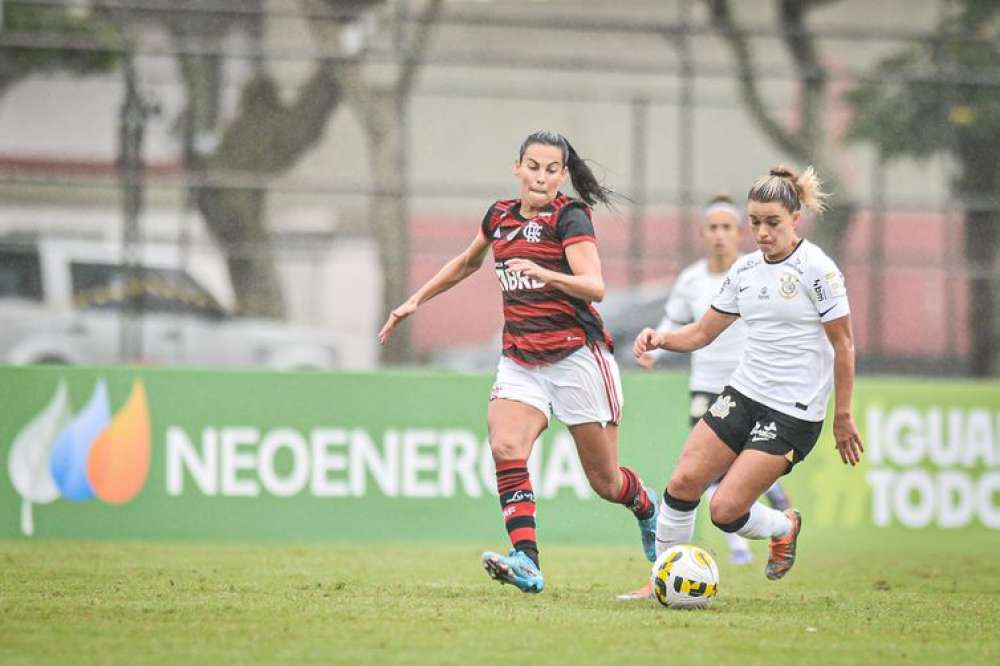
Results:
x,y
922,304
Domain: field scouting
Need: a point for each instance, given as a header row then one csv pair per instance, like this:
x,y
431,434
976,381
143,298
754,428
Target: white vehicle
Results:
x,y
68,301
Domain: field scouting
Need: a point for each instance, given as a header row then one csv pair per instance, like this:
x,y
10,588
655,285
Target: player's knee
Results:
x,y
606,486
685,486
505,450
725,513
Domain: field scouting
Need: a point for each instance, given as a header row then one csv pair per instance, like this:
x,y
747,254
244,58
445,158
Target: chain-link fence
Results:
x,y
258,183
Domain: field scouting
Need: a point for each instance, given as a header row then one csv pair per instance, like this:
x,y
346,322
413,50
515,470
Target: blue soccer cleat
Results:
x,y
647,527
516,569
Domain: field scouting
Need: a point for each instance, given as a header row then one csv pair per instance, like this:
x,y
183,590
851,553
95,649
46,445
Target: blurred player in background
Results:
x,y
557,357
768,417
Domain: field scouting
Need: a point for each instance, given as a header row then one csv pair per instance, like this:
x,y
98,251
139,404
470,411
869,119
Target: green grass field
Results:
x,y
907,599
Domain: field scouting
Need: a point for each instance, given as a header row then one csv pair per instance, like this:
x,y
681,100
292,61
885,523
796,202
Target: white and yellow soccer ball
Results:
x,y
685,577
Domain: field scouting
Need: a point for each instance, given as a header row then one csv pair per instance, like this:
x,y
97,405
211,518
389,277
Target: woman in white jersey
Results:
x,y
791,297
713,365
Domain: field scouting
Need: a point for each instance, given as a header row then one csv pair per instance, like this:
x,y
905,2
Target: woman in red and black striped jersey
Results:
x,y
556,353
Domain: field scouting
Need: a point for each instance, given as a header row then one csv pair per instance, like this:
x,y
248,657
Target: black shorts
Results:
x,y
700,402
743,423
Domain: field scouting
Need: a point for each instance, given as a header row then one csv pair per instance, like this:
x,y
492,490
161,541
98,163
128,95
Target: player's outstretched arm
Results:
x,y
845,432
686,338
649,359
450,274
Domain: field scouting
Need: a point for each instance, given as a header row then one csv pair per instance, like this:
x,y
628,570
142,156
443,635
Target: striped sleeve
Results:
x,y
574,225
484,226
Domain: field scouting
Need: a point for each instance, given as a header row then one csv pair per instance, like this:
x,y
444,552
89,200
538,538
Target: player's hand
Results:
x,y
396,316
528,269
644,342
848,439
647,360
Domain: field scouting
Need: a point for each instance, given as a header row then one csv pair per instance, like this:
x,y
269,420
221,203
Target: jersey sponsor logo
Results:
x,y
512,235
763,433
824,312
789,285
836,283
516,281
533,232
818,290
763,295
721,407
742,289
521,496
496,233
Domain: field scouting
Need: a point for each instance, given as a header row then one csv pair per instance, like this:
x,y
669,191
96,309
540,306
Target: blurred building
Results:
x,y
648,90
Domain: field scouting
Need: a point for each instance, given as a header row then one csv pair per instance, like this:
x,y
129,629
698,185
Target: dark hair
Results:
x,y
720,198
584,182
792,190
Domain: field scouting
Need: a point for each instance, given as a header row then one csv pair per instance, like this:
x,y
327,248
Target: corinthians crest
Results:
x,y
720,408
789,285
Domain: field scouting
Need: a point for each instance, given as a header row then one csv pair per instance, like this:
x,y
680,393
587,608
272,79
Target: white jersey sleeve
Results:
x,y
726,300
678,307
827,289
677,310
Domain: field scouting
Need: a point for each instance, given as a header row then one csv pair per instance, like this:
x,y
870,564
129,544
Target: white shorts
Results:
x,y
584,387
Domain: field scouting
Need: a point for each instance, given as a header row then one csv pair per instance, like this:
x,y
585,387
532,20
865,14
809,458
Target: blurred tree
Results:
x,y
943,96
232,160
264,139
810,142
34,22
382,106
267,136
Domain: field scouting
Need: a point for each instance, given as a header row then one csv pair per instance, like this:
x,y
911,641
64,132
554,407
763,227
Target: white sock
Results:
x,y
776,496
736,542
673,527
733,540
764,523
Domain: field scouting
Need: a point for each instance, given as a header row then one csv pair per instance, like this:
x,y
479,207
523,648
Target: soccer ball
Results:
x,y
685,577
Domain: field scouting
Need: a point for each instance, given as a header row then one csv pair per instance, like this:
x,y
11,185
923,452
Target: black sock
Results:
x,y
532,554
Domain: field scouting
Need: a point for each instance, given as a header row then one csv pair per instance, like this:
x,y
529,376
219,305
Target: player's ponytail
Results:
x,y
584,182
792,190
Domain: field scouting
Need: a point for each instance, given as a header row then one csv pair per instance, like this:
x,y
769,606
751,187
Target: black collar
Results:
x,y
516,209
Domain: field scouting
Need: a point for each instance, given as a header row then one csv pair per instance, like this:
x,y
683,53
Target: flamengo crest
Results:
x,y
533,232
